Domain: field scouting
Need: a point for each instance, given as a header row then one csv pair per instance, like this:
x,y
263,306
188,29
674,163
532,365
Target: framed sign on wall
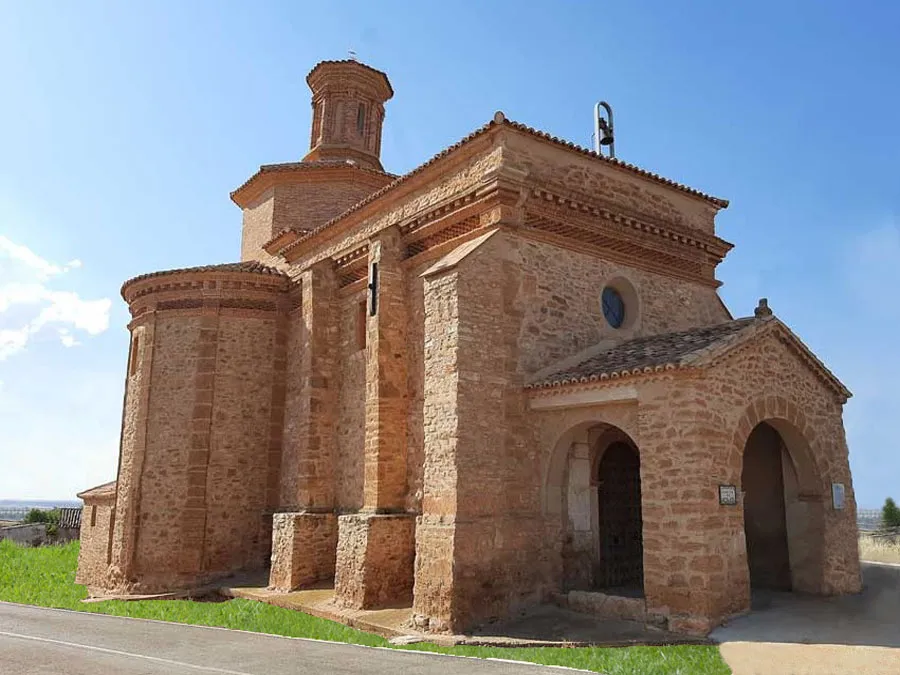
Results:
x,y
837,496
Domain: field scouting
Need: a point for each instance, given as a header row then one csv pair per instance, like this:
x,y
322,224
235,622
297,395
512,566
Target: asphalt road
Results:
x,y
54,642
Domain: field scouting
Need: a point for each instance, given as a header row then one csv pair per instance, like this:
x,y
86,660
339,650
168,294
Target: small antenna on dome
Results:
x,y
352,54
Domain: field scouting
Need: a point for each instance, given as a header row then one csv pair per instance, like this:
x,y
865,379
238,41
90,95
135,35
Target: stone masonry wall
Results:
x,y
766,380
518,305
202,415
433,598
351,426
560,297
164,479
94,550
236,476
415,386
561,170
131,451
201,506
481,482
690,429
310,437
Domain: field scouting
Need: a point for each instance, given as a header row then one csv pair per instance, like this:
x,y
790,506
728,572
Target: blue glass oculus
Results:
x,y
613,307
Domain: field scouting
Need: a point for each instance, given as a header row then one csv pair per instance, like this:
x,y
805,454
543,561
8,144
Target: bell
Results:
x,y
606,137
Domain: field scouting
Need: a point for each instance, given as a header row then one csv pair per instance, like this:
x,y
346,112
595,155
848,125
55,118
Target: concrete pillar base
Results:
x,y
375,558
303,549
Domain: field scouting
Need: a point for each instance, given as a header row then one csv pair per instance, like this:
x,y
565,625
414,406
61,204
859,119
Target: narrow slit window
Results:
x,y
135,355
373,289
361,119
93,515
361,318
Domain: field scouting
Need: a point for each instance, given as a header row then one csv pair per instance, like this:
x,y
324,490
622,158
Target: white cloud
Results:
x,y
29,303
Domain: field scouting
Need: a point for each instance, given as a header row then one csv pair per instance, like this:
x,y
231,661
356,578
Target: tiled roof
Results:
x,y
500,120
647,354
105,490
358,63
247,267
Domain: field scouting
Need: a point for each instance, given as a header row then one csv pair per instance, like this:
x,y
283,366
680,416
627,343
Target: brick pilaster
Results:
x,y
376,547
304,532
308,438
193,523
386,387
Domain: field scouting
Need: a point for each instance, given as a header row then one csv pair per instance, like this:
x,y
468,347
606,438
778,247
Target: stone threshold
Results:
x,y
394,623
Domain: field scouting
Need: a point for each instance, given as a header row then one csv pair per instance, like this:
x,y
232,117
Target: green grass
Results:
x,y
46,577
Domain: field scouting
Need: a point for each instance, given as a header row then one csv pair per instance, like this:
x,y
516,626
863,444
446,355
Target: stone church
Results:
x,y
501,379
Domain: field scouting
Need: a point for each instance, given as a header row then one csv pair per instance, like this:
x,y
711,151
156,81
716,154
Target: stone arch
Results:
x,y
576,425
799,438
571,489
801,485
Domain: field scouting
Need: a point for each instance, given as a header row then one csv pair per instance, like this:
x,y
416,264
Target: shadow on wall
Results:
x,y
871,618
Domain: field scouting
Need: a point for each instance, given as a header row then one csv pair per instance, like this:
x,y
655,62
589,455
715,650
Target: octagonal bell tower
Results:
x,y
342,167
348,112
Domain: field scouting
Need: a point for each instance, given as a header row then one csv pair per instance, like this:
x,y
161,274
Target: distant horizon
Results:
x,y
11,501
30,502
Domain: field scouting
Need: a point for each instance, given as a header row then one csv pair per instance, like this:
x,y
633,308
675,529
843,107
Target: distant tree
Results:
x,y
890,514
37,516
51,517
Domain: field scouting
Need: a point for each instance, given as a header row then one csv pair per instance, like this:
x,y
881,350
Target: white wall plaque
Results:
x,y
837,496
727,495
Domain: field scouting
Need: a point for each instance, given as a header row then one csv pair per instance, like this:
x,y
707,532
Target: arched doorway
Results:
x,y
765,519
620,561
783,508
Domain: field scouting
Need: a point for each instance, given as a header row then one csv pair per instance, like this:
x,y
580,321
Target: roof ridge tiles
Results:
x,y
500,120
241,267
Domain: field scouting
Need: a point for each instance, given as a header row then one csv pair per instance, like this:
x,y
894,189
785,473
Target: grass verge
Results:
x,y
878,550
46,577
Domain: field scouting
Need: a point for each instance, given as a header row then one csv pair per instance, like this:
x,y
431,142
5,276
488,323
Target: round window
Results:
x,y
613,307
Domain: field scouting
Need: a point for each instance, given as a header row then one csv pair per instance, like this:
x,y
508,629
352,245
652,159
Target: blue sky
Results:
x,y
124,126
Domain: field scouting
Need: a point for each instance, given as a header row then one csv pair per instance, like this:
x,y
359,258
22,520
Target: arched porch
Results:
x,y
593,490
784,501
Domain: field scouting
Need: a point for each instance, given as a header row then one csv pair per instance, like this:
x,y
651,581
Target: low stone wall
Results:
x,y
33,534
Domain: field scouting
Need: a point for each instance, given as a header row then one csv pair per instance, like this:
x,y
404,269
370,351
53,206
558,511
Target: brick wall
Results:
x,y
351,427
312,199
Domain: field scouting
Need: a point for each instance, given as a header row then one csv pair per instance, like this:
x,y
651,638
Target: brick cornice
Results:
x,y
641,257
606,380
382,201
232,288
574,206
273,175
